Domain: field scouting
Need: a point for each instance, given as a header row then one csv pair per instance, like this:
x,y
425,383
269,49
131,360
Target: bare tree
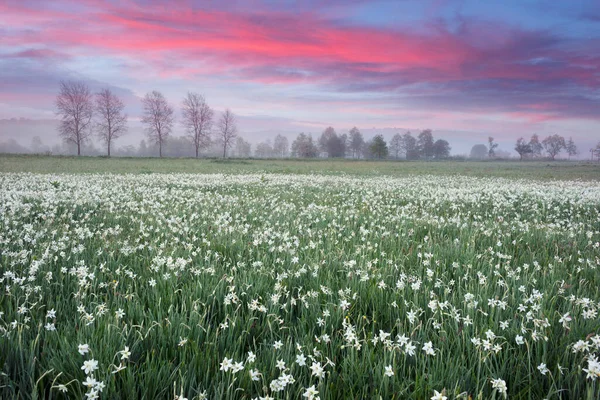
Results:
x,y
227,130
197,119
571,148
242,148
264,149
396,145
536,145
112,122
357,142
492,147
281,146
75,108
158,116
553,145
523,148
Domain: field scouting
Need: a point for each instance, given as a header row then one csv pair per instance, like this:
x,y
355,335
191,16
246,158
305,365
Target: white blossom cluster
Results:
x,y
276,286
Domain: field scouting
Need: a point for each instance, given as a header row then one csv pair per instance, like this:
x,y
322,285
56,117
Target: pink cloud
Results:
x,y
468,70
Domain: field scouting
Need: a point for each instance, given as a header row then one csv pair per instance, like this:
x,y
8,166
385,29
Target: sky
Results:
x,y
467,69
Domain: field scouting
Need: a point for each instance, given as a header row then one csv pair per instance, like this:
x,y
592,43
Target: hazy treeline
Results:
x,y
85,116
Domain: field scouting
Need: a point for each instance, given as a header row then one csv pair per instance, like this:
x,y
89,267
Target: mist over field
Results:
x,y
17,135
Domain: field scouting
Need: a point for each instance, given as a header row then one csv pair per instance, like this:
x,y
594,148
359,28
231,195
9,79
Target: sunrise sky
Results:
x,y
477,68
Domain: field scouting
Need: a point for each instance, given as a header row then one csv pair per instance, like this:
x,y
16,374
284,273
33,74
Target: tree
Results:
x,y
197,119
37,146
492,147
553,145
378,147
281,146
158,118
227,130
143,149
304,147
479,151
264,150
425,144
332,144
243,149
396,145
111,123
441,149
596,152
410,146
356,142
75,107
571,148
523,148
536,146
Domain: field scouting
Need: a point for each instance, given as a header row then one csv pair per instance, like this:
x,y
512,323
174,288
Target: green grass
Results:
x,y
562,170
339,263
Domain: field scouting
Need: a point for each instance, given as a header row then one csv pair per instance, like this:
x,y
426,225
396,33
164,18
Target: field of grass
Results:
x,y
248,281
508,169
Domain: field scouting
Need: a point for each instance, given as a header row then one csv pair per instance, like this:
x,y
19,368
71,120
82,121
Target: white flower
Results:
x,y
389,371
90,366
410,349
254,375
301,360
119,313
311,393
428,349
51,314
519,339
438,396
565,319
125,353
83,349
543,369
277,345
50,327
121,367
317,370
499,385
593,369
90,382
280,364
236,367
226,365
251,357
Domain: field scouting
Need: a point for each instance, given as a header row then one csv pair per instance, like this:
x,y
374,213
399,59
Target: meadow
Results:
x,y
539,170
186,279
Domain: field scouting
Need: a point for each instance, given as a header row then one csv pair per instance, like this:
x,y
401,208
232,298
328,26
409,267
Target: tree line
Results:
x,y
83,114
552,146
352,144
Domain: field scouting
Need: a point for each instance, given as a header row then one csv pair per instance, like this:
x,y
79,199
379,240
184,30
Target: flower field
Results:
x,y
282,286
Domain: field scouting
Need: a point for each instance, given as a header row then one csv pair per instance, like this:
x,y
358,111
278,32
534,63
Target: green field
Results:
x,y
508,169
173,279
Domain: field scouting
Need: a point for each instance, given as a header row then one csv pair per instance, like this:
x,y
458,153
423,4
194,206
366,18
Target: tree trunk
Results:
x,y
196,151
160,149
78,148
109,148
224,150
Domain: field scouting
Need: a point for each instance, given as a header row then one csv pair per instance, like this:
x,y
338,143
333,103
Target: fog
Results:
x,y
23,135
